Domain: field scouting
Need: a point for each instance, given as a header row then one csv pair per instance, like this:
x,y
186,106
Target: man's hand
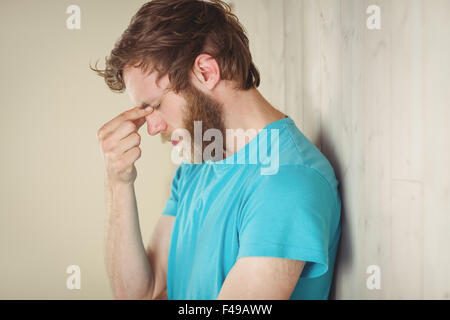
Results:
x,y
129,269
120,140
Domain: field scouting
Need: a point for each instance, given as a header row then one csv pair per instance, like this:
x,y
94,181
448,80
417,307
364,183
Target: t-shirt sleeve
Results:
x,y
292,215
172,202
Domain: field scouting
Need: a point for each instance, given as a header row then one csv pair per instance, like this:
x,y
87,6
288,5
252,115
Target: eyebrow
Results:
x,y
145,104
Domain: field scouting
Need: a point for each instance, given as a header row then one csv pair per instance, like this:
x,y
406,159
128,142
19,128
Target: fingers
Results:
x,y
119,139
139,122
129,142
123,131
136,115
130,157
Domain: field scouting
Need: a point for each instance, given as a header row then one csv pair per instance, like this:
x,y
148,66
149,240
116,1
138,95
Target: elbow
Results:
x,y
132,297
124,295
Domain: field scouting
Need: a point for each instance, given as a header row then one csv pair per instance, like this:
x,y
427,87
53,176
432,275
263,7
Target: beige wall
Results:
x,y
52,104
374,101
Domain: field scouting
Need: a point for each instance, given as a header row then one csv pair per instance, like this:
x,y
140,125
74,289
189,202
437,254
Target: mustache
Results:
x,y
165,138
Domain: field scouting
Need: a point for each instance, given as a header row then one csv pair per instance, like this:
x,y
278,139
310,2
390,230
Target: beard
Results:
x,y
200,107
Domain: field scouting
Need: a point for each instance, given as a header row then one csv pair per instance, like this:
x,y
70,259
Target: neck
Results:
x,y
249,111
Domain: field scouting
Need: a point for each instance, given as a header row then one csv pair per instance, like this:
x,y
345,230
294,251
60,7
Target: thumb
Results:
x,y
139,122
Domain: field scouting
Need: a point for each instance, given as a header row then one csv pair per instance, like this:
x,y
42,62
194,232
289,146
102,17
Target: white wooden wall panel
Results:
x,y
377,104
264,21
293,64
436,110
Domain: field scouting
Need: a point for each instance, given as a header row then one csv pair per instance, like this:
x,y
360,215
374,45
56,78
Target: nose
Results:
x,y
155,124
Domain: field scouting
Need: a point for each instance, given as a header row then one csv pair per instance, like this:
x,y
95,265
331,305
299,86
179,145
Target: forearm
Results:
x,y
127,264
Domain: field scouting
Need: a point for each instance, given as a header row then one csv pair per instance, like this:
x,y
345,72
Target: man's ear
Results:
x,y
206,70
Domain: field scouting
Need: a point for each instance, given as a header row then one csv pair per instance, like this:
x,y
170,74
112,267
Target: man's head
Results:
x,y
174,111
175,53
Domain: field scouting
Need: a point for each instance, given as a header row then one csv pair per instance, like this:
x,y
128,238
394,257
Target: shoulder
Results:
x,y
297,149
185,170
290,179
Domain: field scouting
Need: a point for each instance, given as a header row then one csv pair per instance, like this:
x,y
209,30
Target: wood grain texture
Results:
x,y
377,104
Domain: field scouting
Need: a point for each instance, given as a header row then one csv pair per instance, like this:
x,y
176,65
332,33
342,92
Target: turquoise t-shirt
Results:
x,y
287,206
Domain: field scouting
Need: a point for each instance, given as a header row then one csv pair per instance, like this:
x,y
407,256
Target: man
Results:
x,y
229,230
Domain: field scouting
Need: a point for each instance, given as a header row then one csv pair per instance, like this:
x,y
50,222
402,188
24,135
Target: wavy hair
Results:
x,y
167,36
